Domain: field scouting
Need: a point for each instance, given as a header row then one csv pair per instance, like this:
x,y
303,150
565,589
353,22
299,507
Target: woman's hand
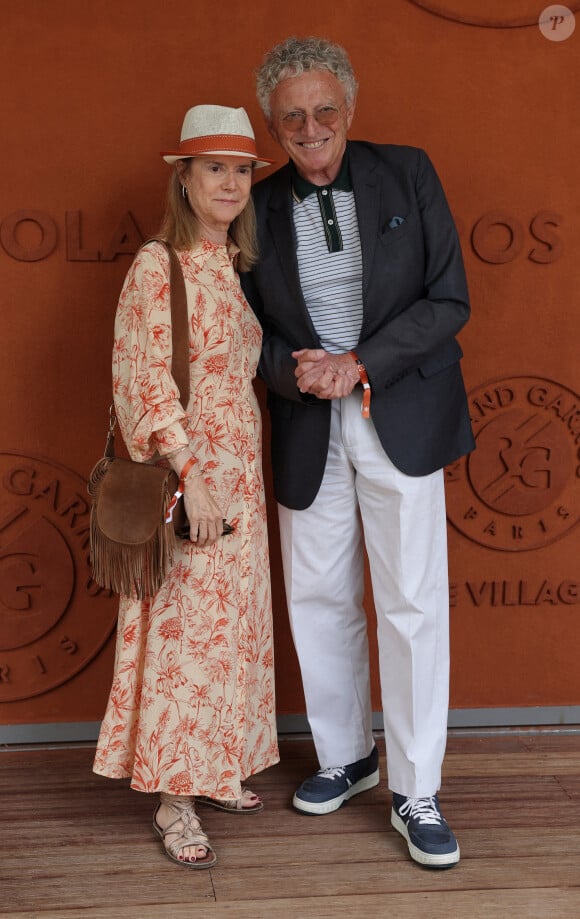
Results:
x,y
205,517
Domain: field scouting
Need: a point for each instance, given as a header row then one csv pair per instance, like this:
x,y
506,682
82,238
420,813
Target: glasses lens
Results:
x,y
294,121
326,115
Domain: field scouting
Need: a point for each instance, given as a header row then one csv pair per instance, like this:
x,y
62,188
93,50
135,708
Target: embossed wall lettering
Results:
x,y
44,238
47,633
519,489
537,592
32,235
497,238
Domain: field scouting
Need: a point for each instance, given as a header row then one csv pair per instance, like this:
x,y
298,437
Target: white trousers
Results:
x,y
322,552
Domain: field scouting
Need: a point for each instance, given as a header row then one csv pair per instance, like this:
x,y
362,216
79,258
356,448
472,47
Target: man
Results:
x,y
360,290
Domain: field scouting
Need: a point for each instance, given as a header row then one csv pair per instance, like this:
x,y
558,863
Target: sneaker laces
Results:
x,y
331,772
424,809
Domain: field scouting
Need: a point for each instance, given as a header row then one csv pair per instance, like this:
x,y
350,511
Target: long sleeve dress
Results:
x,y
191,708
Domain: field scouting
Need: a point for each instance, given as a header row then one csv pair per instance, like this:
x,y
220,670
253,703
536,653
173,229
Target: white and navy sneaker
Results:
x,y
329,788
430,840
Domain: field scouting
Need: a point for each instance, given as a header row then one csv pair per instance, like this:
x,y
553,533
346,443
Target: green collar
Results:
x,y
301,188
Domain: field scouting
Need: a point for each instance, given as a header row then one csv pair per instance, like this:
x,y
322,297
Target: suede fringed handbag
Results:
x,y
133,522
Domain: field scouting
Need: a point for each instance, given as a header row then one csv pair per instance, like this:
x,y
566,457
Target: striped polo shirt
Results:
x,y
329,259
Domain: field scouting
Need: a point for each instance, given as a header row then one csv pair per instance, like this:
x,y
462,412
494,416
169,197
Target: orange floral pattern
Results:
x,y
191,708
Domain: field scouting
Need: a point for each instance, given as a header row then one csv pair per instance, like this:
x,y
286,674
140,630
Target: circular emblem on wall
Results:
x,y
487,14
53,618
520,488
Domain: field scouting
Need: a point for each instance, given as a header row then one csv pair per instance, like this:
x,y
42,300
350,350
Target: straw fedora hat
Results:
x,y
216,130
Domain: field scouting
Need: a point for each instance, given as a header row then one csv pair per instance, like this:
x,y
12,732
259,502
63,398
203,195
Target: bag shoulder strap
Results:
x,y
179,324
179,339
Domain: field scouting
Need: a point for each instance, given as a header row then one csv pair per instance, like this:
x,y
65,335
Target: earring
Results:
x,y
184,192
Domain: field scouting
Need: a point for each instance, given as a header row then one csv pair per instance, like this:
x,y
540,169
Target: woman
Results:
x,y
191,709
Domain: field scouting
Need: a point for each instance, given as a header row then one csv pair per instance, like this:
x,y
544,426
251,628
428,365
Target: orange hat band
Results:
x,y
210,143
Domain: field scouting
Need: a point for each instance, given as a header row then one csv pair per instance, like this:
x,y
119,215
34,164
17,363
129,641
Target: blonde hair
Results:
x,y
180,227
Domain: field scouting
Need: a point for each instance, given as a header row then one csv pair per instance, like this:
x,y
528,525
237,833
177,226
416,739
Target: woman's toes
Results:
x,y
249,799
192,853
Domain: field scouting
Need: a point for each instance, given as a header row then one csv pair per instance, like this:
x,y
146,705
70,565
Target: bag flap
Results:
x,y
131,501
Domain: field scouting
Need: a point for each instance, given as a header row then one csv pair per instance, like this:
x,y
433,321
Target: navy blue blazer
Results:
x,y
415,301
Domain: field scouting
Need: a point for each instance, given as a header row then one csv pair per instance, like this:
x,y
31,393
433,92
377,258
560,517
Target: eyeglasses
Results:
x,y
326,115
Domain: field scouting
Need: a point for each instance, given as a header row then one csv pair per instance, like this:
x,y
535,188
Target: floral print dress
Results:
x,y
191,708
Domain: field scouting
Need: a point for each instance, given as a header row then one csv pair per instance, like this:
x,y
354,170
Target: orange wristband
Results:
x,y
364,380
180,488
182,475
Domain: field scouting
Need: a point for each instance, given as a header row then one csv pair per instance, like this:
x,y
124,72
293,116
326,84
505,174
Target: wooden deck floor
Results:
x,y
76,845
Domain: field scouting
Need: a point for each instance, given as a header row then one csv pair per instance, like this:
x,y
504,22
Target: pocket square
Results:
x,y
395,222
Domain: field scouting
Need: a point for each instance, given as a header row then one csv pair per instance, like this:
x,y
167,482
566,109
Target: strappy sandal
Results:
x,y
190,833
233,807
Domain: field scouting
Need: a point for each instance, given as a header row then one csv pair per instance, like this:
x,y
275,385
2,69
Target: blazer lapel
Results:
x,y
281,228
367,195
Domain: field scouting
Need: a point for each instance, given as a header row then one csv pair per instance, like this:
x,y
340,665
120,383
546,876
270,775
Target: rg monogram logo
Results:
x,y
53,618
520,488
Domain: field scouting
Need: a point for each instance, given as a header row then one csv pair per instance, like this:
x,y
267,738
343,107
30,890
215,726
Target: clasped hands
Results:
x,y
325,375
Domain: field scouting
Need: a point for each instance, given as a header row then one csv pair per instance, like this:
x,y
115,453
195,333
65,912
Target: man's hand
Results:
x,y
325,375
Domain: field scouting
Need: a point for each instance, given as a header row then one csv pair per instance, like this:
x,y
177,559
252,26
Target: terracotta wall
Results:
x,y
90,92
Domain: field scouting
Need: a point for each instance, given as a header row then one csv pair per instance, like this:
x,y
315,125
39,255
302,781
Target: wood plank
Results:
x,y
324,880
535,903
552,740
528,763
380,847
